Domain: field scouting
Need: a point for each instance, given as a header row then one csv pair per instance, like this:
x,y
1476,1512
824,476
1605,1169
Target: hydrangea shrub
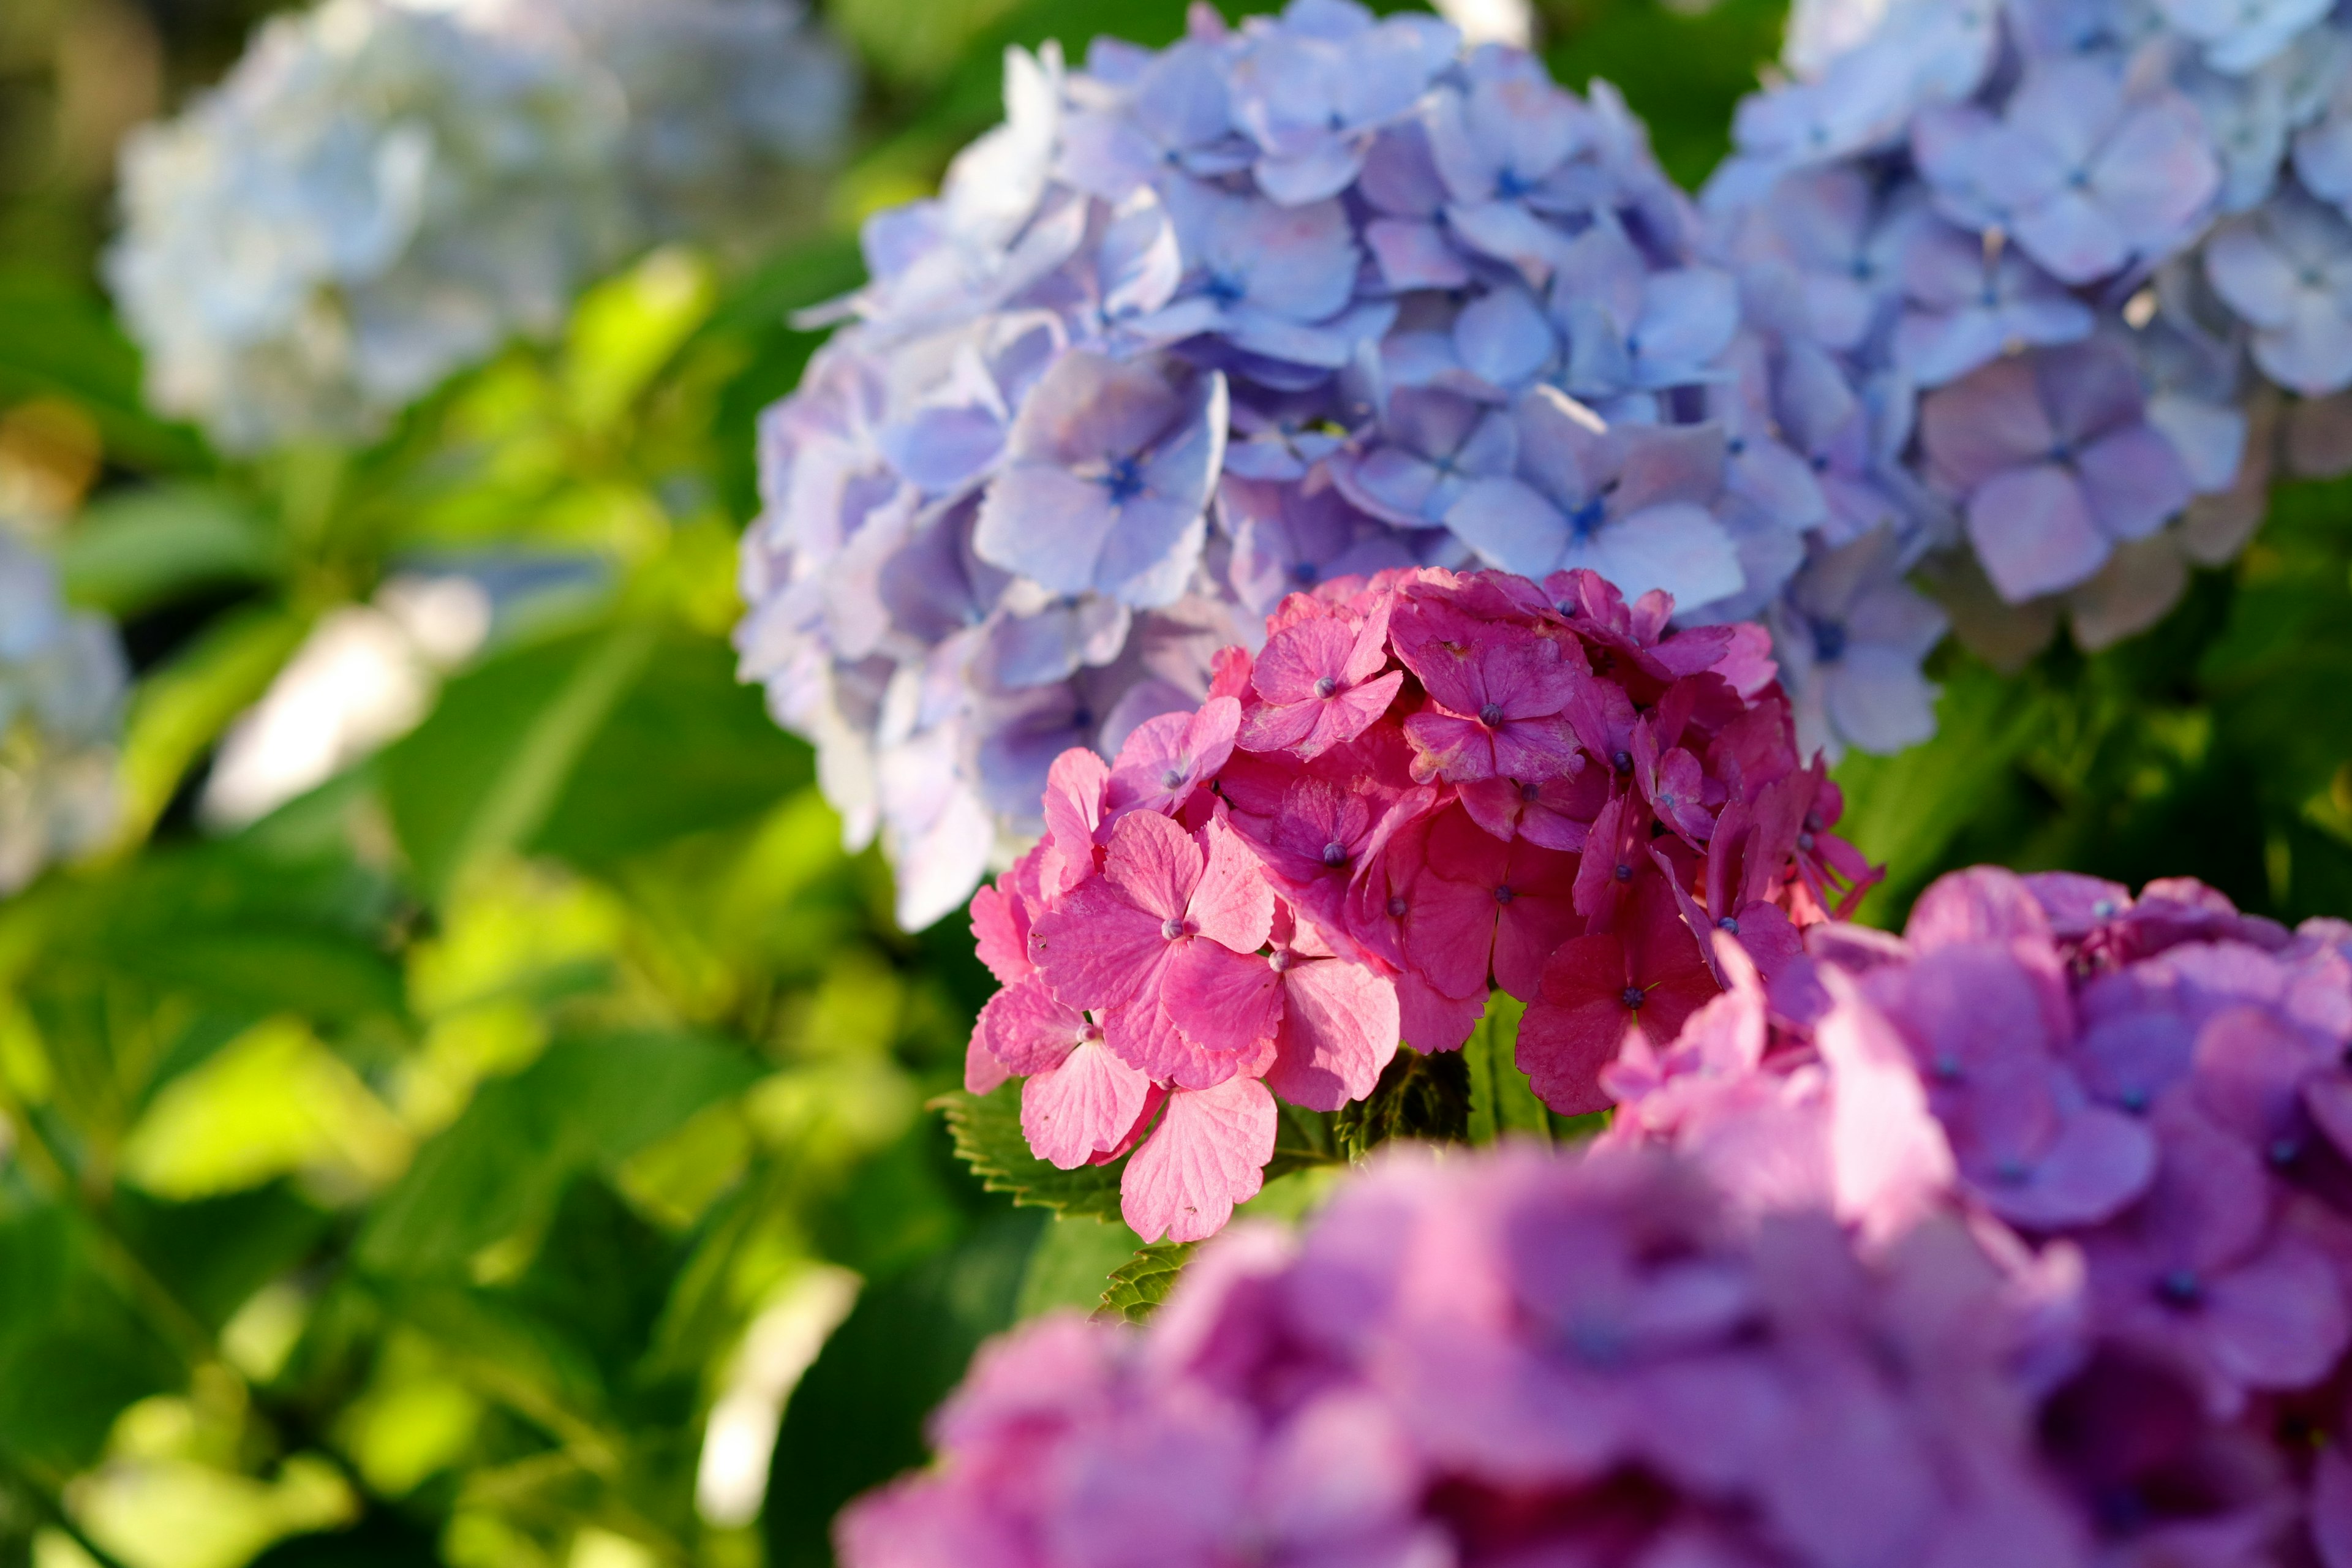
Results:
x,y
384,191
2023,1237
1318,296
1424,784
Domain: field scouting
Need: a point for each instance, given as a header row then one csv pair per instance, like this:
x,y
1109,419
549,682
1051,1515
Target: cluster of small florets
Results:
x,y
384,191
2023,1238
2077,247
1425,784
1195,328
1512,1360
2148,1094
61,679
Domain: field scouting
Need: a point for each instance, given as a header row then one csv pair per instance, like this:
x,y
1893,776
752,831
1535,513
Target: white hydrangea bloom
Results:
x,y
383,191
61,681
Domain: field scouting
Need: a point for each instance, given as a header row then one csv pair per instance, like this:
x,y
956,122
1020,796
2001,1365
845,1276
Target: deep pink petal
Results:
x,y
1340,1027
1154,862
1227,1004
1208,1153
1028,1030
1096,948
1074,785
1074,1111
1232,904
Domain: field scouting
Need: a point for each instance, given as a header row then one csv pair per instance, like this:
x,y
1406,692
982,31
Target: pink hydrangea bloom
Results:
x,y
1424,785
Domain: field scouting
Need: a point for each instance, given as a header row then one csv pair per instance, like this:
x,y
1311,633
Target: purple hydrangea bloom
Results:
x,y
1277,305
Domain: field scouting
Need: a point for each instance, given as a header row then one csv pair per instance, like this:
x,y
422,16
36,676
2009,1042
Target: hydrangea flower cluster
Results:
x,y
2076,248
2148,1094
1318,296
1511,1360
1424,784
383,191
62,675
2026,1238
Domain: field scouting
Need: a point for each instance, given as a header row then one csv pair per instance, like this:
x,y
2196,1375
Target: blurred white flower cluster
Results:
x,y
383,191
61,681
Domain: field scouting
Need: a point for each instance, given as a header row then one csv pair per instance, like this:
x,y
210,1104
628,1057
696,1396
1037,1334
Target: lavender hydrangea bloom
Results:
x,y
2054,457
1851,634
2287,269
1106,479
1965,206
1628,501
1298,301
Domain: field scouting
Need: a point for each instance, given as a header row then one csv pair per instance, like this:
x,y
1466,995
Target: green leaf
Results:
x,y
1682,69
484,772
1418,1097
987,1133
1903,811
1074,1262
857,1418
380,1540
138,548
1503,1103
1139,1285
73,1353
687,749
58,341
589,1102
213,1255
626,329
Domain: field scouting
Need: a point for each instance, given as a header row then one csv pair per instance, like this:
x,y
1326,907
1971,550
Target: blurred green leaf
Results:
x,y
1139,1286
687,748
58,339
1503,1103
988,1137
482,775
1681,71
137,548
1901,811
213,1255
588,1103
380,1540
73,1353
625,328
857,1418
1073,1263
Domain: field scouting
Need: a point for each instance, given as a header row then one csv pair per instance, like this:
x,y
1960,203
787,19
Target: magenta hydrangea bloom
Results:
x,y
1315,295
1427,785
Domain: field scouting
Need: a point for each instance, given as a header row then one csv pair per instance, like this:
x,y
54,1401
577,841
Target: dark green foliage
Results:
x,y
1418,1096
856,1420
380,1540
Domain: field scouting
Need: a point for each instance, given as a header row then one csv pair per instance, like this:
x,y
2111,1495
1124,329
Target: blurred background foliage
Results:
x,y
464,1160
